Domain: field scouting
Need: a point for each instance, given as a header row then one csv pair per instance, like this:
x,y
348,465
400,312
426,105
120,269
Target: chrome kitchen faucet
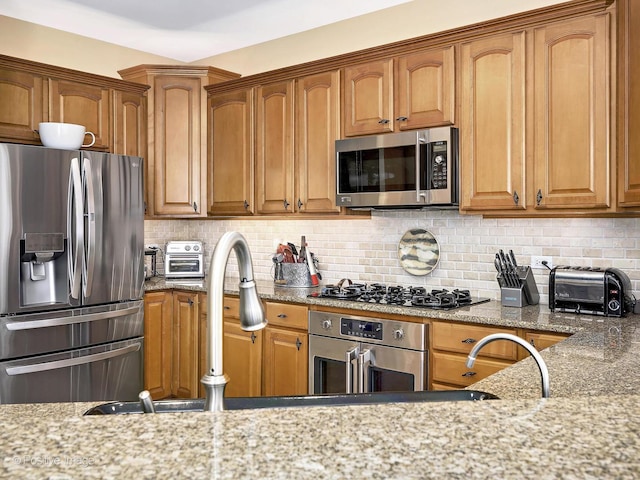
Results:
x,y
544,372
251,312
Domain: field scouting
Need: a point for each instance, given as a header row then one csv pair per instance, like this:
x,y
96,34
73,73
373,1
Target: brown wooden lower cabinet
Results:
x,y
286,354
451,368
158,322
171,356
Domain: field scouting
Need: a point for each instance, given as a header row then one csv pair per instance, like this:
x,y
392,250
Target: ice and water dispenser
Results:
x,y
43,269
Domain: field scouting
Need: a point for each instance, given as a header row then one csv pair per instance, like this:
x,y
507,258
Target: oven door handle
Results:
x,y
350,356
364,363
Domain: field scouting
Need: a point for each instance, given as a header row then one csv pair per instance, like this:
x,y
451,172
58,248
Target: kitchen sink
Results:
x,y
246,403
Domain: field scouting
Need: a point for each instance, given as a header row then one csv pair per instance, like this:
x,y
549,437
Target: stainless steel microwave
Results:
x,y
408,169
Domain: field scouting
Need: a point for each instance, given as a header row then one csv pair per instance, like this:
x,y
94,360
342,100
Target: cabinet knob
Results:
x,y
253,337
282,315
286,204
383,121
468,374
300,204
195,207
402,119
298,344
469,340
516,198
246,205
539,197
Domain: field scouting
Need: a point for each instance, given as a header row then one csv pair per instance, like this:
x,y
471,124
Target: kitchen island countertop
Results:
x,y
589,428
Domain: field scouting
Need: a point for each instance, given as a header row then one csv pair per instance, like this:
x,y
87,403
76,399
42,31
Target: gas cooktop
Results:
x,y
399,295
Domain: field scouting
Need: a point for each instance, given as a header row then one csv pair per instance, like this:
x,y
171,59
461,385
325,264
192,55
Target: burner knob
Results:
x,y
326,324
398,334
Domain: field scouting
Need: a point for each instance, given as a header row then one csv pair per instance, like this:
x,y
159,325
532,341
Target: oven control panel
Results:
x,y
361,328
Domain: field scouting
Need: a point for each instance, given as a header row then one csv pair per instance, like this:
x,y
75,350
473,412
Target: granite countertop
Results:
x,y
589,428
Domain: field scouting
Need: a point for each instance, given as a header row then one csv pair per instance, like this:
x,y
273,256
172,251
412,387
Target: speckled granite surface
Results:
x,y
555,438
589,428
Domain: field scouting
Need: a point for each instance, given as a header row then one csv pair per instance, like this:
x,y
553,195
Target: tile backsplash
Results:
x,y
366,249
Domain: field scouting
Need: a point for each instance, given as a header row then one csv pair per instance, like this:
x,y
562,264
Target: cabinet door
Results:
x,y
178,166
242,357
425,89
274,148
158,314
285,362
368,98
540,340
82,104
317,129
452,369
231,153
492,140
186,366
22,106
129,124
629,103
572,115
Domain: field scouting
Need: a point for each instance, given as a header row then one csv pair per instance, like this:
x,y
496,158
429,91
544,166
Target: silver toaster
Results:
x,y
590,291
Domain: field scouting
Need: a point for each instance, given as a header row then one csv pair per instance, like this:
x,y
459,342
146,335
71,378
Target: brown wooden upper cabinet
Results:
x,y
113,110
628,26
88,105
177,135
555,79
231,154
411,91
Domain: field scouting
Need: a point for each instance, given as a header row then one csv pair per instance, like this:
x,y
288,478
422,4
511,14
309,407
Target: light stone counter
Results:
x,y
589,428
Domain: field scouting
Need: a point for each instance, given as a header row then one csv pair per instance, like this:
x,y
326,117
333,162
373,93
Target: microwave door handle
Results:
x,y
350,356
420,196
75,226
364,365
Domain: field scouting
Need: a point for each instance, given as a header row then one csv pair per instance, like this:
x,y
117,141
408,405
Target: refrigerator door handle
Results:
x,y
88,253
55,322
96,357
75,236
350,356
364,363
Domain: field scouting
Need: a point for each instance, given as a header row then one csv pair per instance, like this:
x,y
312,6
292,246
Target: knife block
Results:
x,y
523,295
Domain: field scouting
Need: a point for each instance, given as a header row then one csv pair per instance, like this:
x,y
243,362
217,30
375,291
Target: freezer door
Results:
x,y
103,373
113,265
37,333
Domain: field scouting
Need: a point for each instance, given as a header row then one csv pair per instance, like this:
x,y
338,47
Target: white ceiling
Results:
x,y
188,30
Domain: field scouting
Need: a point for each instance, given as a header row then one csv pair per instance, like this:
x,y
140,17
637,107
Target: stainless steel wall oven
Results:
x,y
353,354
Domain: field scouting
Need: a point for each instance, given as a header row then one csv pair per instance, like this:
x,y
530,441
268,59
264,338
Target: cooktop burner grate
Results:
x,y
399,295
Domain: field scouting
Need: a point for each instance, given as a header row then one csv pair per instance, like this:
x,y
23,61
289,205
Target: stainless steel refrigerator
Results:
x,y
71,275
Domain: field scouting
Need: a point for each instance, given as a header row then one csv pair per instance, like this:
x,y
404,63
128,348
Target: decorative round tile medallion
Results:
x,y
418,251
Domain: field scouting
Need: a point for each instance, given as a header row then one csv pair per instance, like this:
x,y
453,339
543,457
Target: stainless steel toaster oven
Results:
x,y
592,291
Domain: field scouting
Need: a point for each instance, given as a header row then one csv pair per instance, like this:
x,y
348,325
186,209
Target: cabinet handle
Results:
x,y
286,204
469,340
282,315
246,205
516,198
402,119
195,207
468,374
300,204
190,302
253,337
383,121
298,343
539,197
532,342
226,307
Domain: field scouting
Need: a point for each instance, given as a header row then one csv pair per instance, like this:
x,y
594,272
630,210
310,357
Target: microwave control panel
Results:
x,y
438,165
